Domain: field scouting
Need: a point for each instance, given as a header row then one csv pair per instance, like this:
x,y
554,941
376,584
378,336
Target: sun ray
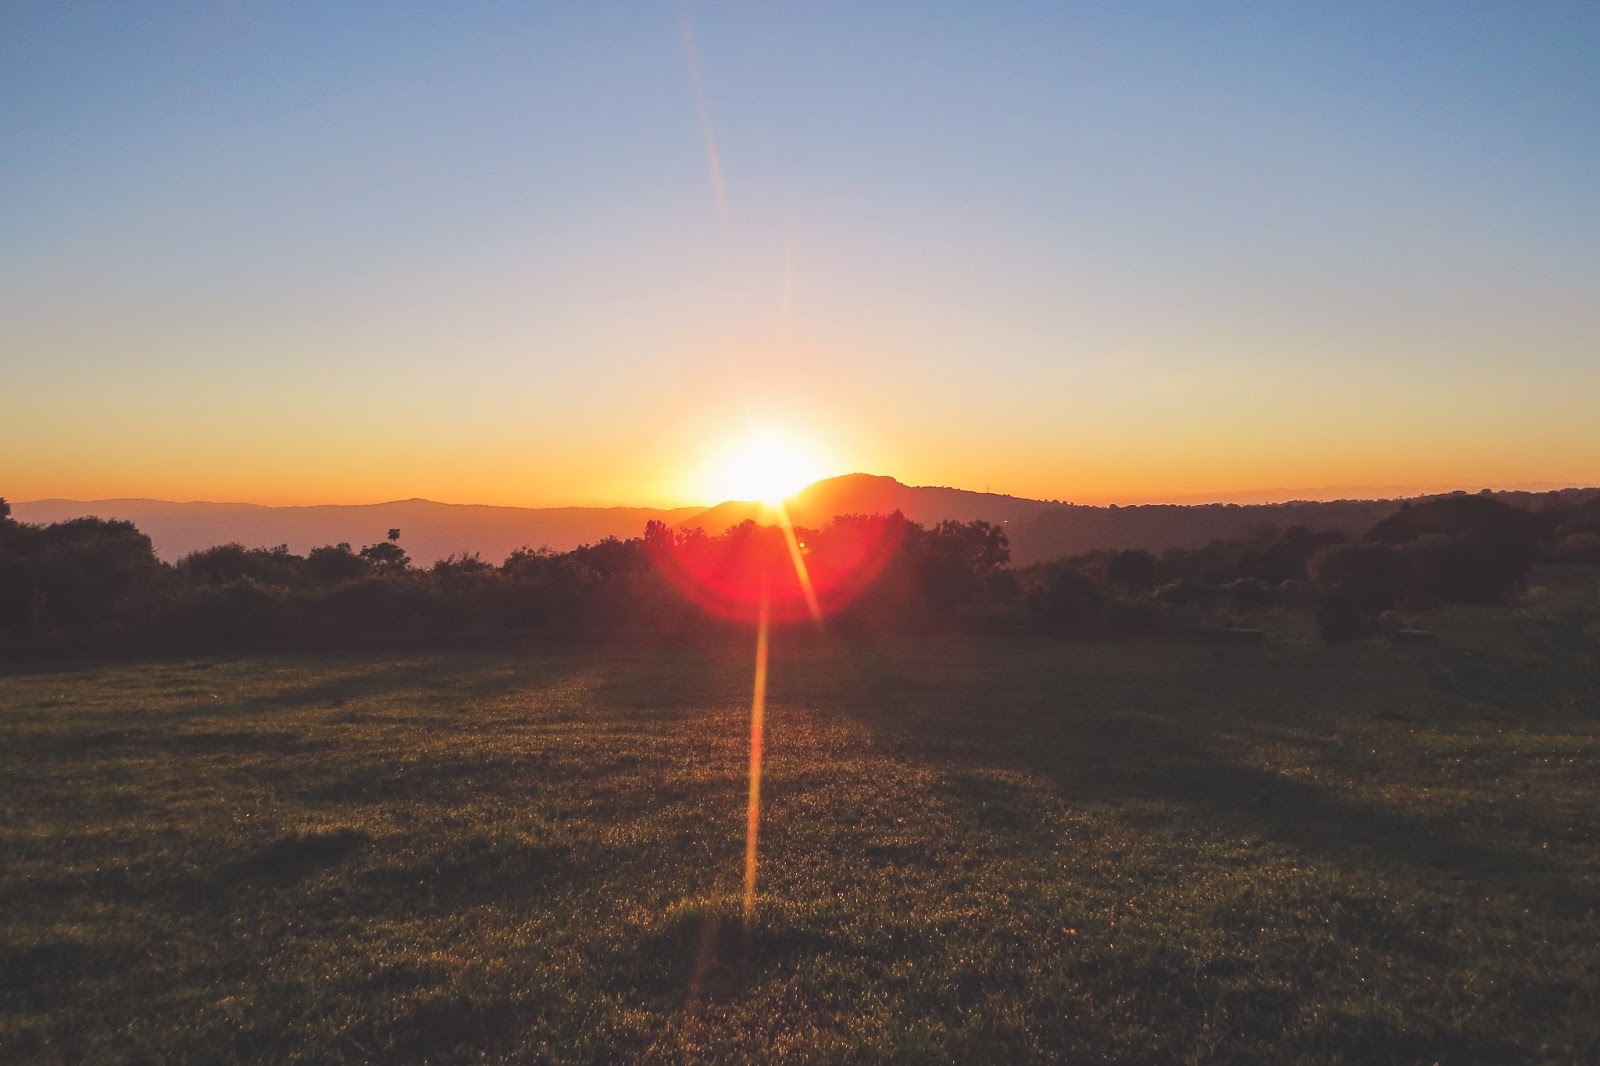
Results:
x,y
691,56
801,571
758,716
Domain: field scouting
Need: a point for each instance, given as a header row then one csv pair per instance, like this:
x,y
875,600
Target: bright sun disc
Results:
x,y
765,467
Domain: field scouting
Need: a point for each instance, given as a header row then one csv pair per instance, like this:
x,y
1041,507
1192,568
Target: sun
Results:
x,y
766,466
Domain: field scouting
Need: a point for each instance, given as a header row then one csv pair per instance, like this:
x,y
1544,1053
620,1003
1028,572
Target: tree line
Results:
x,y
97,584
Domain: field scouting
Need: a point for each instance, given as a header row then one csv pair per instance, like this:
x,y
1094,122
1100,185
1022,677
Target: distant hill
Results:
x,y
817,504
428,530
1066,529
1041,530
1038,529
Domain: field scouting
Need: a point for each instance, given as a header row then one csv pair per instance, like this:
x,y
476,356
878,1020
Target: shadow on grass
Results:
x,y
481,869
297,855
1156,739
701,949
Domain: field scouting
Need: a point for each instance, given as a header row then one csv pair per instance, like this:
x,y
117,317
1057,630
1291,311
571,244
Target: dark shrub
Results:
x,y
1248,594
1133,569
1370,576
74,574
377,605
1188,593
1576,548
612,556
1508,535
332,564
954,562
386,557
1295,592
234,562
1459,568
237,612
1287,556
1340,618
1066,597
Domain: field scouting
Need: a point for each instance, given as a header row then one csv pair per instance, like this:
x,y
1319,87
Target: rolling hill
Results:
x,y
1038,529
429,530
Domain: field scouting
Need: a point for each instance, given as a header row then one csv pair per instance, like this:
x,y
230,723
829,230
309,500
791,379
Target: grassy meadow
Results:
x,y
974,849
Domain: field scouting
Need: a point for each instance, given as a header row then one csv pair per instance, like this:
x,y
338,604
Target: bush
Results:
x,y
377,605
1460,568
1576,548
1248,594
1066,597
234,562
1340,618
1187,593
1369,576
1133,569
75,574
333,564
238,612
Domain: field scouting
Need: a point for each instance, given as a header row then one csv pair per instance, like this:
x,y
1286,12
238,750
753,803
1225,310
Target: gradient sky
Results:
x,y
487,253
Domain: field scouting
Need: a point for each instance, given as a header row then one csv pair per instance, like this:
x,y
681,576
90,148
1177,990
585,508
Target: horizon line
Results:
x,y
1317,494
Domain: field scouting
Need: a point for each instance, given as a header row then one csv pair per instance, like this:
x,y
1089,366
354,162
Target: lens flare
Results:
x,y
762,574
783,571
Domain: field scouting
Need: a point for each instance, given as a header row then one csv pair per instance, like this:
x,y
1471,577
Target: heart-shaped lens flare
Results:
x,y
799,573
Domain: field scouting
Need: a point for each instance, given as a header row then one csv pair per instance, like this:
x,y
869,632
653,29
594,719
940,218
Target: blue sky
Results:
x,y
474,252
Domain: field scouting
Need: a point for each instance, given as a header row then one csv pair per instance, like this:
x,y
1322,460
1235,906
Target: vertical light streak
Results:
x,y
801,571
691,57
758,715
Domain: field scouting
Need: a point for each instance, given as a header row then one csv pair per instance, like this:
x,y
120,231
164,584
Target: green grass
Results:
x,y
973,850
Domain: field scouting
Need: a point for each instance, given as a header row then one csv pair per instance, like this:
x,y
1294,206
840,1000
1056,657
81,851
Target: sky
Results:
x,y
553,254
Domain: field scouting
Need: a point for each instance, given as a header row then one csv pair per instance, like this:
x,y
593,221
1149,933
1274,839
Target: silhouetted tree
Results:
x,y
234,562
83,572
955,561
386,557
1576,548
1132,569
241,611
332,564
658,536
1509,533
526,563
463,563
1066,596
613,556
1340,618
1460,568
1368,576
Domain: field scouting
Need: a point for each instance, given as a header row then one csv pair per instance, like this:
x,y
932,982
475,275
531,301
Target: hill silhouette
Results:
x,y
430,530
817,504
1039,530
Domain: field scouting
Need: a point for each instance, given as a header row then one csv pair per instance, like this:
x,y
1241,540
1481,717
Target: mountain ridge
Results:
x,y
1038,529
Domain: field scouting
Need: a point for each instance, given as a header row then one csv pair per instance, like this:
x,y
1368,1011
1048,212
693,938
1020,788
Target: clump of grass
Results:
x,y
301,852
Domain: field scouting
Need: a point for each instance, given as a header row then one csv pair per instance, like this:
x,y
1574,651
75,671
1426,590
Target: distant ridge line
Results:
x,y
430,530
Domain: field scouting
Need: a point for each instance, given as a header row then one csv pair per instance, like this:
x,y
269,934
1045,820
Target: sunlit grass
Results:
x,y
971,849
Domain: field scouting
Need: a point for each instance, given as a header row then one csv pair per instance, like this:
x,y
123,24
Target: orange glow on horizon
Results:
x,y
673,461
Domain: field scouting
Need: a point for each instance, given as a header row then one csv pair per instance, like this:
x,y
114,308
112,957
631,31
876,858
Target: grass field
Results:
x,y
973,849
